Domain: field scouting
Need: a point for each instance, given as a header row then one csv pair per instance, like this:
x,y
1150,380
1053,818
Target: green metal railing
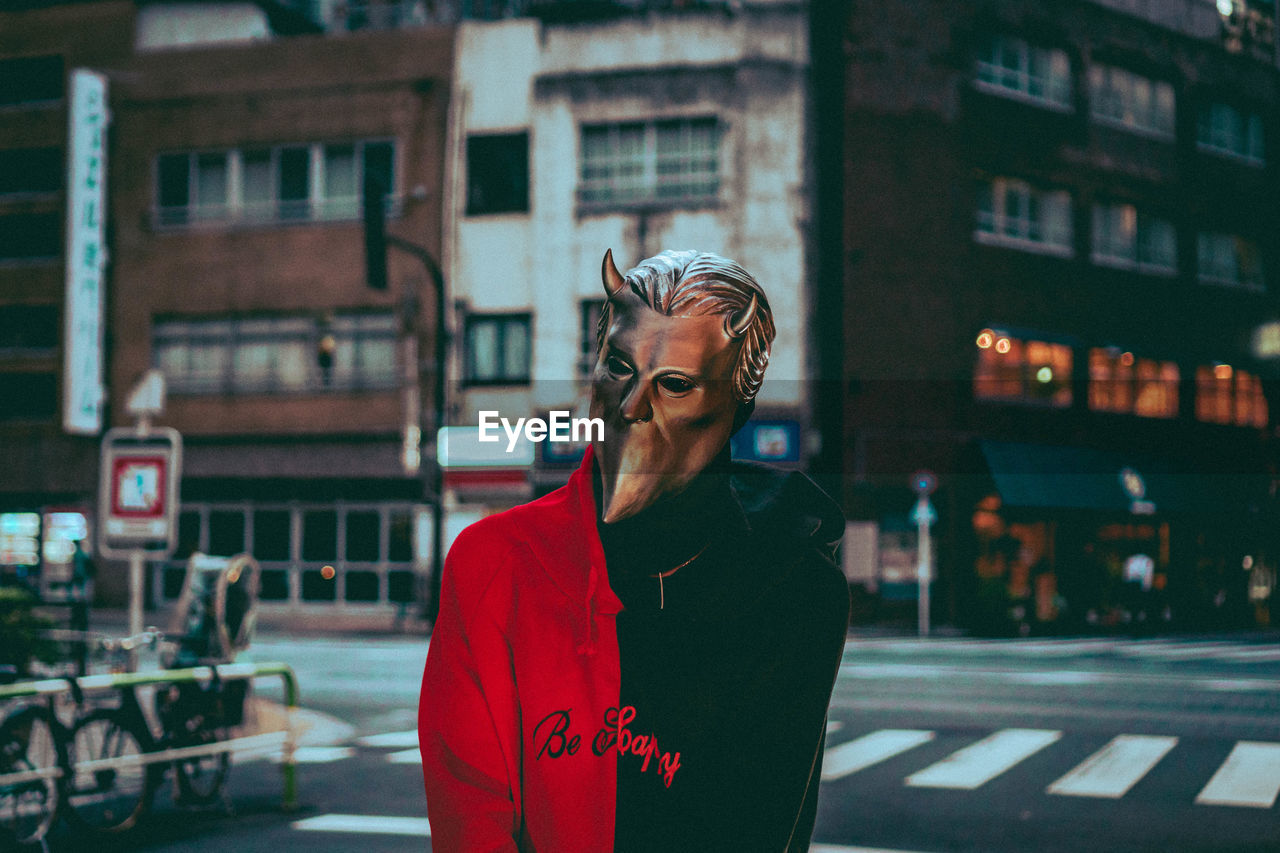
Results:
x,y
286,739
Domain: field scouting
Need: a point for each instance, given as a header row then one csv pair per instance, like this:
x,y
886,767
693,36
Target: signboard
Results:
x,y
86,253
138,495
767,441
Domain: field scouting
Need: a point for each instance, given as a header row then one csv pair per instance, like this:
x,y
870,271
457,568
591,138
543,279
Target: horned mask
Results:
x,y
684,342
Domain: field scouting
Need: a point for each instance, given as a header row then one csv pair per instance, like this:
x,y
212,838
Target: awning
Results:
x,y
1032,475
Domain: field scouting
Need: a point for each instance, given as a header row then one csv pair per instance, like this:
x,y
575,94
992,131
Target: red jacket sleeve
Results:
x,y
462,713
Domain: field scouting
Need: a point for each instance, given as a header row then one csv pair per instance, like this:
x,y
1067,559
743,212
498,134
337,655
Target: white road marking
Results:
x,y
979,763
834,726
842,848
1053,679
1113,770
1249,777
316,754
391,740
849,758
407,756
366,824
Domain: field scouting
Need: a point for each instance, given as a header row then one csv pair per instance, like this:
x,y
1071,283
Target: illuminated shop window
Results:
x,y
1025,371
1225,395
19,539
1125,237
1012,67
1121,382
1231,260
1013,213
1130,101
1228,132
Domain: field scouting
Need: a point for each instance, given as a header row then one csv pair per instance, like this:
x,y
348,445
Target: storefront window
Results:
x,y
1225,395
1015,370
1121,382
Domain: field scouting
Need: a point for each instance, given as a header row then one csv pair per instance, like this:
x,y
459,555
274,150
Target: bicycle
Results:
x,y
32,764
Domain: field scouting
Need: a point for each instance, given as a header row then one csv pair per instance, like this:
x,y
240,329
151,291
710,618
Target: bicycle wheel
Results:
x,y
110,787
31,754
200,778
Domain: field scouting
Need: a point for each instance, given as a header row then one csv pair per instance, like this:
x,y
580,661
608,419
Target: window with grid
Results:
x,y
1224,130
31,80
498,349
31,237
1012,67
1226,395
675,161
1016,214
284,183
31,171
276,354
1011,369
1124,99
1125,237
1231,260
1121,382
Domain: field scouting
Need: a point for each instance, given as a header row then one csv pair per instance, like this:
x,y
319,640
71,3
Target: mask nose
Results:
x,y
636,408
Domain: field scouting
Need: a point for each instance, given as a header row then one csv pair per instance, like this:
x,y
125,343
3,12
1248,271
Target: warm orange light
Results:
x,y
327,573
986,338
1222,371
1127,359
1003,345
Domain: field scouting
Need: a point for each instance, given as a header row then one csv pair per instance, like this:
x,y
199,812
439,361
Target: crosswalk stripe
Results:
x,y
979,763
1113,770
1258,655
315,754
366,824
848,758
391,740
407,756
1249,777
844,848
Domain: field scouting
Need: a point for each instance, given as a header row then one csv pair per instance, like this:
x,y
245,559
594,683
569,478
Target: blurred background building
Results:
x,y
1023,245
1059,228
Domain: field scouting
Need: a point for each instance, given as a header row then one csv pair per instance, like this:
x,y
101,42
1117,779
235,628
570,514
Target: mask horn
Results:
x,y
737,327
609,274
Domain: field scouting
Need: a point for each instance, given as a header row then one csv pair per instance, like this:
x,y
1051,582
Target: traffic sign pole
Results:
x,y
923,483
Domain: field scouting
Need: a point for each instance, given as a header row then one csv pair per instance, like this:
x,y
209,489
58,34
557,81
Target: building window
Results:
x,y
672,161
1014,213
1230,260
1225,395
277,354
591,311
30,330
28,396
285,183
31,80
498,173
1126,238
31,237
30,171
498,349
1026,371
1011,67
1224,130
1121,382
1124,99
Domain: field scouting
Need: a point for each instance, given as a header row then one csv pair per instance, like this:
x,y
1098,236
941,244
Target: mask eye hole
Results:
x,y
617,366
675,384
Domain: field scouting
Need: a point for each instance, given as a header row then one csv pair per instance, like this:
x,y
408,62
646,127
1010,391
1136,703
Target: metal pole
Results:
x,y
924,551
136,560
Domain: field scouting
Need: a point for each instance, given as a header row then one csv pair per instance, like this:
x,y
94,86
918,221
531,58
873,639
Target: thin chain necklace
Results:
x,y
662,595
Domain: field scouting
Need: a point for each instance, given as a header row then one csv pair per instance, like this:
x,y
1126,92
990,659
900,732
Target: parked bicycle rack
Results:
x,y
286,739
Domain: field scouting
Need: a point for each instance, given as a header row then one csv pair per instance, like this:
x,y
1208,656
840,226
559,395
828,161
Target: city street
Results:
x,y
937,745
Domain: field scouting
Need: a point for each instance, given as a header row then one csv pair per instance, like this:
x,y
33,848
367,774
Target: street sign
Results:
x,y
924,482
138,492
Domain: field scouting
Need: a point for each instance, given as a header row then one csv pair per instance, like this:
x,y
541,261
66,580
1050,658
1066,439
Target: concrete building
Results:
x,y
641,127
1059,272
242,135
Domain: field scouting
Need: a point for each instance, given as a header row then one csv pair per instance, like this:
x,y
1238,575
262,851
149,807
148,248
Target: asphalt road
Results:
x,y
940,745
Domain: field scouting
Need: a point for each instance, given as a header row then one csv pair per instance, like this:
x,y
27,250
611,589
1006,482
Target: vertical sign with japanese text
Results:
x,y
82,390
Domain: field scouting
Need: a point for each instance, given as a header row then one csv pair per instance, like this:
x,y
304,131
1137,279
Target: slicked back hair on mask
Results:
x,y
695,284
